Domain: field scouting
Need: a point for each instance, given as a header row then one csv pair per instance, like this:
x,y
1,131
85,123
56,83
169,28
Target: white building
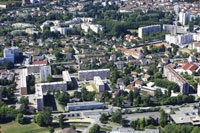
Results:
x,y
198,90
45,71
10,54
90,74
195,46
62,30
42,88
99,84
148,29
184,18
89,26
179,39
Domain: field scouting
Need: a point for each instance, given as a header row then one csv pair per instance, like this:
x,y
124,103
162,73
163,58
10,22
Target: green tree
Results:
x,y
43,118
103,118
24,105
20,118
61,121
94,129
116,117
63,98
8,65
51,129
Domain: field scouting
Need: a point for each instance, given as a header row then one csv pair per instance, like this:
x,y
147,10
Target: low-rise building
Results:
x,y
83,106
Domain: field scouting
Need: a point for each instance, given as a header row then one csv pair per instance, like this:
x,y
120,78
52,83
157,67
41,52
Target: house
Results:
x,y
135,53
139,83
119,64
113,58
146,77
134,74
120,84
68,56
188,67
165,61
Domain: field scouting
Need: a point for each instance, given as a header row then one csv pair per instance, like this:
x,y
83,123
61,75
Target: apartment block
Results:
x,y
172,75
99,84
10,54
90,74
45,71
148,29
179,39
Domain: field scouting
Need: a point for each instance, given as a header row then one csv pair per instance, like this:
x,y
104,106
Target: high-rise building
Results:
x,y
45,71
148,29
10,54
184,18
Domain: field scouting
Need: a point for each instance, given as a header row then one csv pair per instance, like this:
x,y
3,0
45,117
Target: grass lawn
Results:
x,y
133,30
14,127
113,123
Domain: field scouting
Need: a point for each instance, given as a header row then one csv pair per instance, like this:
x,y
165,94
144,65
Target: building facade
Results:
x,y
90,74
10,54
45,71
148,29
172,75
83,106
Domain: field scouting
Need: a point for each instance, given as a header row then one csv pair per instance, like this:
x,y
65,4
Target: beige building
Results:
x,y
172,75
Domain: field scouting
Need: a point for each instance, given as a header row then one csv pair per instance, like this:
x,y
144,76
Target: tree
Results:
x,y
8,65
163,119
158,93
116,117
103,118
24,105
77,94
63,98
43,118
20,118
61,121
51,129
50,78
95,128
131,96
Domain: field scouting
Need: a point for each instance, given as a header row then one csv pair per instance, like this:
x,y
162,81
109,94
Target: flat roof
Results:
x,y
186,115
94,70
83,103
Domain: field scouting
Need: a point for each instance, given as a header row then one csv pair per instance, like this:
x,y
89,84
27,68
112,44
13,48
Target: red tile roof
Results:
x,y
40,62
188,66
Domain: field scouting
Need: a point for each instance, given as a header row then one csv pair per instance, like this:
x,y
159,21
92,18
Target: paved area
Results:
x,y
136,116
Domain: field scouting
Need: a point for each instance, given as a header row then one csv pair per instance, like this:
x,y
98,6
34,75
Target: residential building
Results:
x,y
189,68
83,106
23,77
172,75
148,29
45,71
179,39
42,88
184,17
10,54
195,45
99,84
62,30
134,53
90,74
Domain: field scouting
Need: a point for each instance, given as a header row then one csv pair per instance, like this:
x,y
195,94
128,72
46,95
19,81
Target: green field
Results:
x,y
133,30
14,127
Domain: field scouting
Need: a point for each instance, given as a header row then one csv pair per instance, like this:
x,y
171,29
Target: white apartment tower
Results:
x,y
148,29
184,17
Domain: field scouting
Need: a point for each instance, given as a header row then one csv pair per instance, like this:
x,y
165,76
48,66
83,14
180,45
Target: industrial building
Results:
x,y
83,106
90,74
148,29
172,75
